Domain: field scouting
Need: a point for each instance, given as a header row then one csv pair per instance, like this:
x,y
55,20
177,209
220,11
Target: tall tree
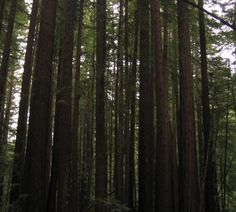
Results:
x,y
101,144
187,147
5,62
119,141
208,183
130,173
19,152
63,132
75,127
36,171
163,169
146,139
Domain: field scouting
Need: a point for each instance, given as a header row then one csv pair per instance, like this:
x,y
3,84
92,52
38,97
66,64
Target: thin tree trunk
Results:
x,y
2,5
130,181
19,152
208,183
101,144
175,124
118,166
4,168
5,62
224,203
75,127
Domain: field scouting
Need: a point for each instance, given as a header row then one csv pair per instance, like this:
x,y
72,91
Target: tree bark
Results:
x,y
118,166
75,128
101,144
6,126
208,186
146,137
5,62
130,179
224,180
19,152
163,147
36,171
189,189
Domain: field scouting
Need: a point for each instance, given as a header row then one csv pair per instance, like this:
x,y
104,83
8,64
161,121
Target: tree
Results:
x,y
5,63
19,153
36,172
75,127
63,130
101,144
146,139
208,184
188,173
163,168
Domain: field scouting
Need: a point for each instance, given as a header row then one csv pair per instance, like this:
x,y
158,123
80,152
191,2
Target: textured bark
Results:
x,y
101,144
130,178
146,140
8,108
63,134
127,102
19,152
118,166
189,189
74,196
224,168
208,186
163,193
175,124
36,172
5,62
3,175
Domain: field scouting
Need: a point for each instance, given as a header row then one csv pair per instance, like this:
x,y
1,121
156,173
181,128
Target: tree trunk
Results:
x,y
189,189
118,166
146,137
3,175
208,183
36,172
101,144
5,62
163,168
75,133
224,181
2,5
63,134
130,110
19,152
130,179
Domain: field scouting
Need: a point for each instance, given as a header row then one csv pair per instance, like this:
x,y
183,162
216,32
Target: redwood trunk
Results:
x,y
19,152
101,144
189,189
74,196
146,140
36,175
163,168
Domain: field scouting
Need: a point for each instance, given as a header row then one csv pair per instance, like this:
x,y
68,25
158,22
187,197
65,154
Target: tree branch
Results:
x,y
232,26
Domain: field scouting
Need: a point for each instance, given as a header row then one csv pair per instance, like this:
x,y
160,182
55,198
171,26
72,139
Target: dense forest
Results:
x,y
117,105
